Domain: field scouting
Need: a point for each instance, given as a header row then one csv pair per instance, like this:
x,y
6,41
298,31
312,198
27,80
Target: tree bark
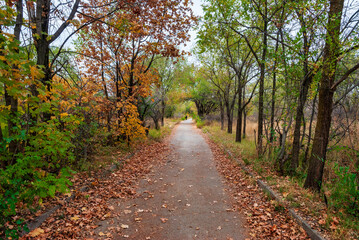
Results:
x,y
157,125
40,35
274,88
221,107
261,83
298,123
229,111
239,118
304,87
321,137
40,20
244,115
310,131
163,107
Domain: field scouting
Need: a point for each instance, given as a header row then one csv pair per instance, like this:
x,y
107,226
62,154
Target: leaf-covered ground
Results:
x,y
80,215
79,219
330,223
266,218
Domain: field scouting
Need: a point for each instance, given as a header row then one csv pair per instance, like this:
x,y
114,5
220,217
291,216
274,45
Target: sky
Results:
x,y
197,11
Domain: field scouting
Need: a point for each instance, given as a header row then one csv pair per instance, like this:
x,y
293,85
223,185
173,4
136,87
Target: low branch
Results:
x,y
344,77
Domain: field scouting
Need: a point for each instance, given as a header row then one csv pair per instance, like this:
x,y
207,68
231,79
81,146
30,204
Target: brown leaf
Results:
x,y
36,232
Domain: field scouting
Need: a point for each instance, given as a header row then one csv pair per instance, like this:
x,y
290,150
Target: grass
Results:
x,y
295,195
163,132
159,135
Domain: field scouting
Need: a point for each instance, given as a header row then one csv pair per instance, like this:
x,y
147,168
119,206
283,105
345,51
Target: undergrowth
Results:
x,y
340,217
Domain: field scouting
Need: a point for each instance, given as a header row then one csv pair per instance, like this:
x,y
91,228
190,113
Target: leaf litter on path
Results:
x,y
78,218
265,219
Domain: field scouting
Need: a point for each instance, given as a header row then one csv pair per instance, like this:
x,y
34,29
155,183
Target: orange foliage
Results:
x,y
118,52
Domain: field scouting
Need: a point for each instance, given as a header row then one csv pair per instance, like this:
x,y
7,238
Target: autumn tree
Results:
x,y
126,46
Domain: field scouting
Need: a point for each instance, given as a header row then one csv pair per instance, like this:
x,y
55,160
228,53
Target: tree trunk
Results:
x,y
222,115
229,118
310,131
244,123
157,125
163,106
244,114
261,84
239,118
230,124
321,137
41,38
304,87
221,108
298,123
274,88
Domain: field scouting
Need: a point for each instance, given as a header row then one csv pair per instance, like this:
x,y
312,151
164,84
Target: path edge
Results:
x,y
313,234
35,223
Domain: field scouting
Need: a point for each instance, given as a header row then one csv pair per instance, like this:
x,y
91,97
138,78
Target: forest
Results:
x,y
274,81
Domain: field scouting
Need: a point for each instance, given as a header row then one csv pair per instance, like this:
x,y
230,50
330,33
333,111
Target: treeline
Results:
x,y
293,65
73,74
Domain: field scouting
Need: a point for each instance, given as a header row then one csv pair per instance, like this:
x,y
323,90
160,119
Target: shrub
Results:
x,y
199,122
345,193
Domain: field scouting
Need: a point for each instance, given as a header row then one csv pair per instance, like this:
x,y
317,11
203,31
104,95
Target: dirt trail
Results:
x,y
184,199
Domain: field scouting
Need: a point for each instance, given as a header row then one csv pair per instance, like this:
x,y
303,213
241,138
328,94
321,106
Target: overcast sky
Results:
x,y
197,10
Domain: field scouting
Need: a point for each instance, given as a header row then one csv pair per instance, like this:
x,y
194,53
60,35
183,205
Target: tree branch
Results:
x,y
345,76
66,23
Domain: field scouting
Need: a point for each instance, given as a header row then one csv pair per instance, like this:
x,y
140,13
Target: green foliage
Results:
x,y
345,193
170,111
39,171
158,135
199,122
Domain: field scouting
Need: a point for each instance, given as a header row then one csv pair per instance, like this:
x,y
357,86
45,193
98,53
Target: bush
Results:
x,y
199,122
345,193
38,172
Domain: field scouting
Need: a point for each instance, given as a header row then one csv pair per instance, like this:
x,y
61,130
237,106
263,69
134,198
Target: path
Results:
x,y
185,199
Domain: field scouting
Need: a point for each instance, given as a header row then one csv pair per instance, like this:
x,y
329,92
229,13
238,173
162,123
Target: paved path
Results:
x,y
185,199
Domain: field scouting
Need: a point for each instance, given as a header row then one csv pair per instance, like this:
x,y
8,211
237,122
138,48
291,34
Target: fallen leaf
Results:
x,y
164,220
36,232
124,226
74,218
321,221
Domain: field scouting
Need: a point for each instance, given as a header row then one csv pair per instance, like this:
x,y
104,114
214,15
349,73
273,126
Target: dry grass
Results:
x,y
335,225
